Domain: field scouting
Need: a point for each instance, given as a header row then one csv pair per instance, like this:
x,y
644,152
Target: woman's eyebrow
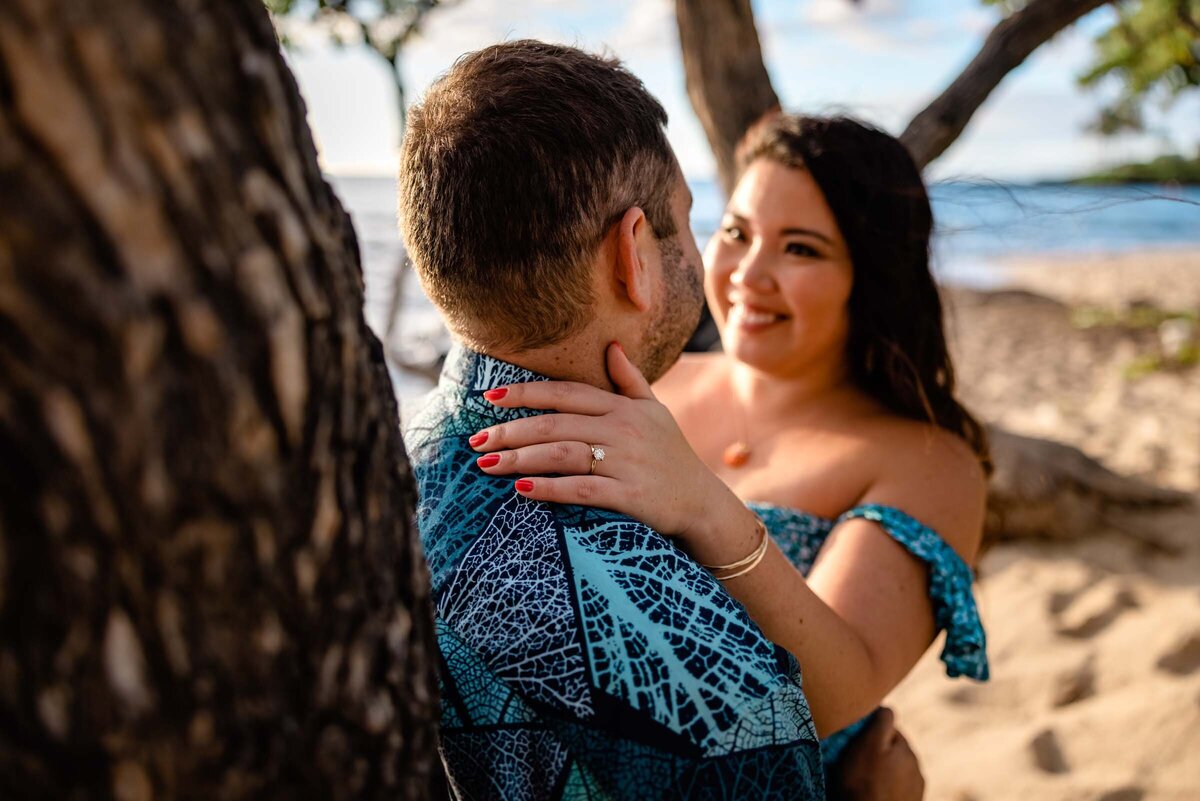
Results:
x,y
786,231
807,232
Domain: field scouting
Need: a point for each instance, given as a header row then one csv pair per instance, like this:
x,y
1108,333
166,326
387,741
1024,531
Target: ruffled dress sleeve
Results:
x,y
950,588
954,609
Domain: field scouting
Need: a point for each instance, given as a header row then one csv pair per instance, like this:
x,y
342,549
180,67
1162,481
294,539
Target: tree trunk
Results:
x,y
1006,48
727,80
210,585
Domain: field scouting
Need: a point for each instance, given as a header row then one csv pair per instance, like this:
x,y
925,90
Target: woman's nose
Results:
x,y
753,272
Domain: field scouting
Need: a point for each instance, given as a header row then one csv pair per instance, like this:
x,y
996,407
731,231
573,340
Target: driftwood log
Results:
x,y
1044,489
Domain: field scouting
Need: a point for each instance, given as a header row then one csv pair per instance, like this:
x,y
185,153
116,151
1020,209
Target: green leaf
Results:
x,y
1153,52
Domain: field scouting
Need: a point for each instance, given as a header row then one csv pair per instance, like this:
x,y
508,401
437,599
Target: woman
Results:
x,y
831,412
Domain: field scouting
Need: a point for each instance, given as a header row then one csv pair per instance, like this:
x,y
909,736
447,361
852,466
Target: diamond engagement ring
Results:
x,y
597,456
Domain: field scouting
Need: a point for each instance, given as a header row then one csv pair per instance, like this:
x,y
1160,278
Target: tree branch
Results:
x,y
1008,45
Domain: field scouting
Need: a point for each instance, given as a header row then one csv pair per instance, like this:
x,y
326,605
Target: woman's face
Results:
x,y
778,274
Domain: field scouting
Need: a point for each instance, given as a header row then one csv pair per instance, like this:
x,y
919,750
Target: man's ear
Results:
x,y
632,268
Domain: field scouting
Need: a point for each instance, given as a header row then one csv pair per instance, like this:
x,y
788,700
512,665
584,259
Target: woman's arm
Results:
x,y
863,617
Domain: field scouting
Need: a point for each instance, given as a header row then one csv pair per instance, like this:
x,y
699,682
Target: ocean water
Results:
x,y
977,225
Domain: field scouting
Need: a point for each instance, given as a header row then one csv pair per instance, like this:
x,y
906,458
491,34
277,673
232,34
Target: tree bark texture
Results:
x,y
1008,45
727,80
210,586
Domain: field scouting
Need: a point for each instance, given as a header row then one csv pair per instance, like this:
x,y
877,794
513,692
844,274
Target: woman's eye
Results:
x,y
801,249
734,233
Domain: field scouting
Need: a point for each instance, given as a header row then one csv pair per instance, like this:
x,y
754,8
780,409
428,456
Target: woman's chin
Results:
x,y
753,351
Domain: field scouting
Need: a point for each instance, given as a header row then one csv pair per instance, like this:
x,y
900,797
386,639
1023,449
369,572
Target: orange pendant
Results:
x,y
736,454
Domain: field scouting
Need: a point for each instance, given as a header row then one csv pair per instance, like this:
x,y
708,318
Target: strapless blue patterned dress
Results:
x,y
801,535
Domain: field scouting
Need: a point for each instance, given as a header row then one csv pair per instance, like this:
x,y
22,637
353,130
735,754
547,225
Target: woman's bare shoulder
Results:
x,y
933,475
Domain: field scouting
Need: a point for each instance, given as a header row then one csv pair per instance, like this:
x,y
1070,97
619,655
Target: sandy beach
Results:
x,y
1095,643
1052,358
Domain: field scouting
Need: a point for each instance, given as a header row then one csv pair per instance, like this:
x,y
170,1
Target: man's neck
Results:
x,y
581,360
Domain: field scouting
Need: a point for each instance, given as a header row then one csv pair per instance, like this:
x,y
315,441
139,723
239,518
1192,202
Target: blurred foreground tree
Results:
x,y
210,583
384,26
1040,488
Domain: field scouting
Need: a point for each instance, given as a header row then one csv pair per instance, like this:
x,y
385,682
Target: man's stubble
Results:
x,y
678,312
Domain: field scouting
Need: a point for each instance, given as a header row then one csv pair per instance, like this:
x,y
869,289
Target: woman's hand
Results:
x,y
649,471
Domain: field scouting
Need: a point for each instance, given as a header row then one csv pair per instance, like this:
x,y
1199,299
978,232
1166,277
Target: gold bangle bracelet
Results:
x,y
748,567
755,556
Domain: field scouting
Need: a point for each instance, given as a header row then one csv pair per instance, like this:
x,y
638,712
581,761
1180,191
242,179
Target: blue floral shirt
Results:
x,y
584,656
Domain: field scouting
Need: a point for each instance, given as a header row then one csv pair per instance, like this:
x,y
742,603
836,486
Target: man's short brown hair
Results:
x,y
514,166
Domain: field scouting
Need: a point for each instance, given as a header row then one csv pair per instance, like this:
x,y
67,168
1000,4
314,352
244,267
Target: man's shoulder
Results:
x,y
427,419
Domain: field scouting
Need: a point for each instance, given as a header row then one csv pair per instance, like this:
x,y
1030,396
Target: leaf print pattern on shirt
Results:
x,y
506,764
478,697
509,599
648,615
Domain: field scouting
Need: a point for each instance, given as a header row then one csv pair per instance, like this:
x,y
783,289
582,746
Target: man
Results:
x,y
583,655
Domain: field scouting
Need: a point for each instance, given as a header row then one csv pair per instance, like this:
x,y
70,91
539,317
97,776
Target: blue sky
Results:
x,y
882,60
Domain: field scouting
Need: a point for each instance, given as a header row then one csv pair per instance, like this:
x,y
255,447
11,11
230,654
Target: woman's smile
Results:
x,y
753,319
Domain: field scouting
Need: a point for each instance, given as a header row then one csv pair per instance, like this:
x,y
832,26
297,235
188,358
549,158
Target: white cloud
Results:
x,y
872,26
977,21
829,12
844,12
648,27
472,24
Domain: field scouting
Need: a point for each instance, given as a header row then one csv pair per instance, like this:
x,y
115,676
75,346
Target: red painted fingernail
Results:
x,y
478,439
496,394
524,485
488,460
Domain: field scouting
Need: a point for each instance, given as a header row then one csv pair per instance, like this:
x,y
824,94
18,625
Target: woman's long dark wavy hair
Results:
x,y
896,349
